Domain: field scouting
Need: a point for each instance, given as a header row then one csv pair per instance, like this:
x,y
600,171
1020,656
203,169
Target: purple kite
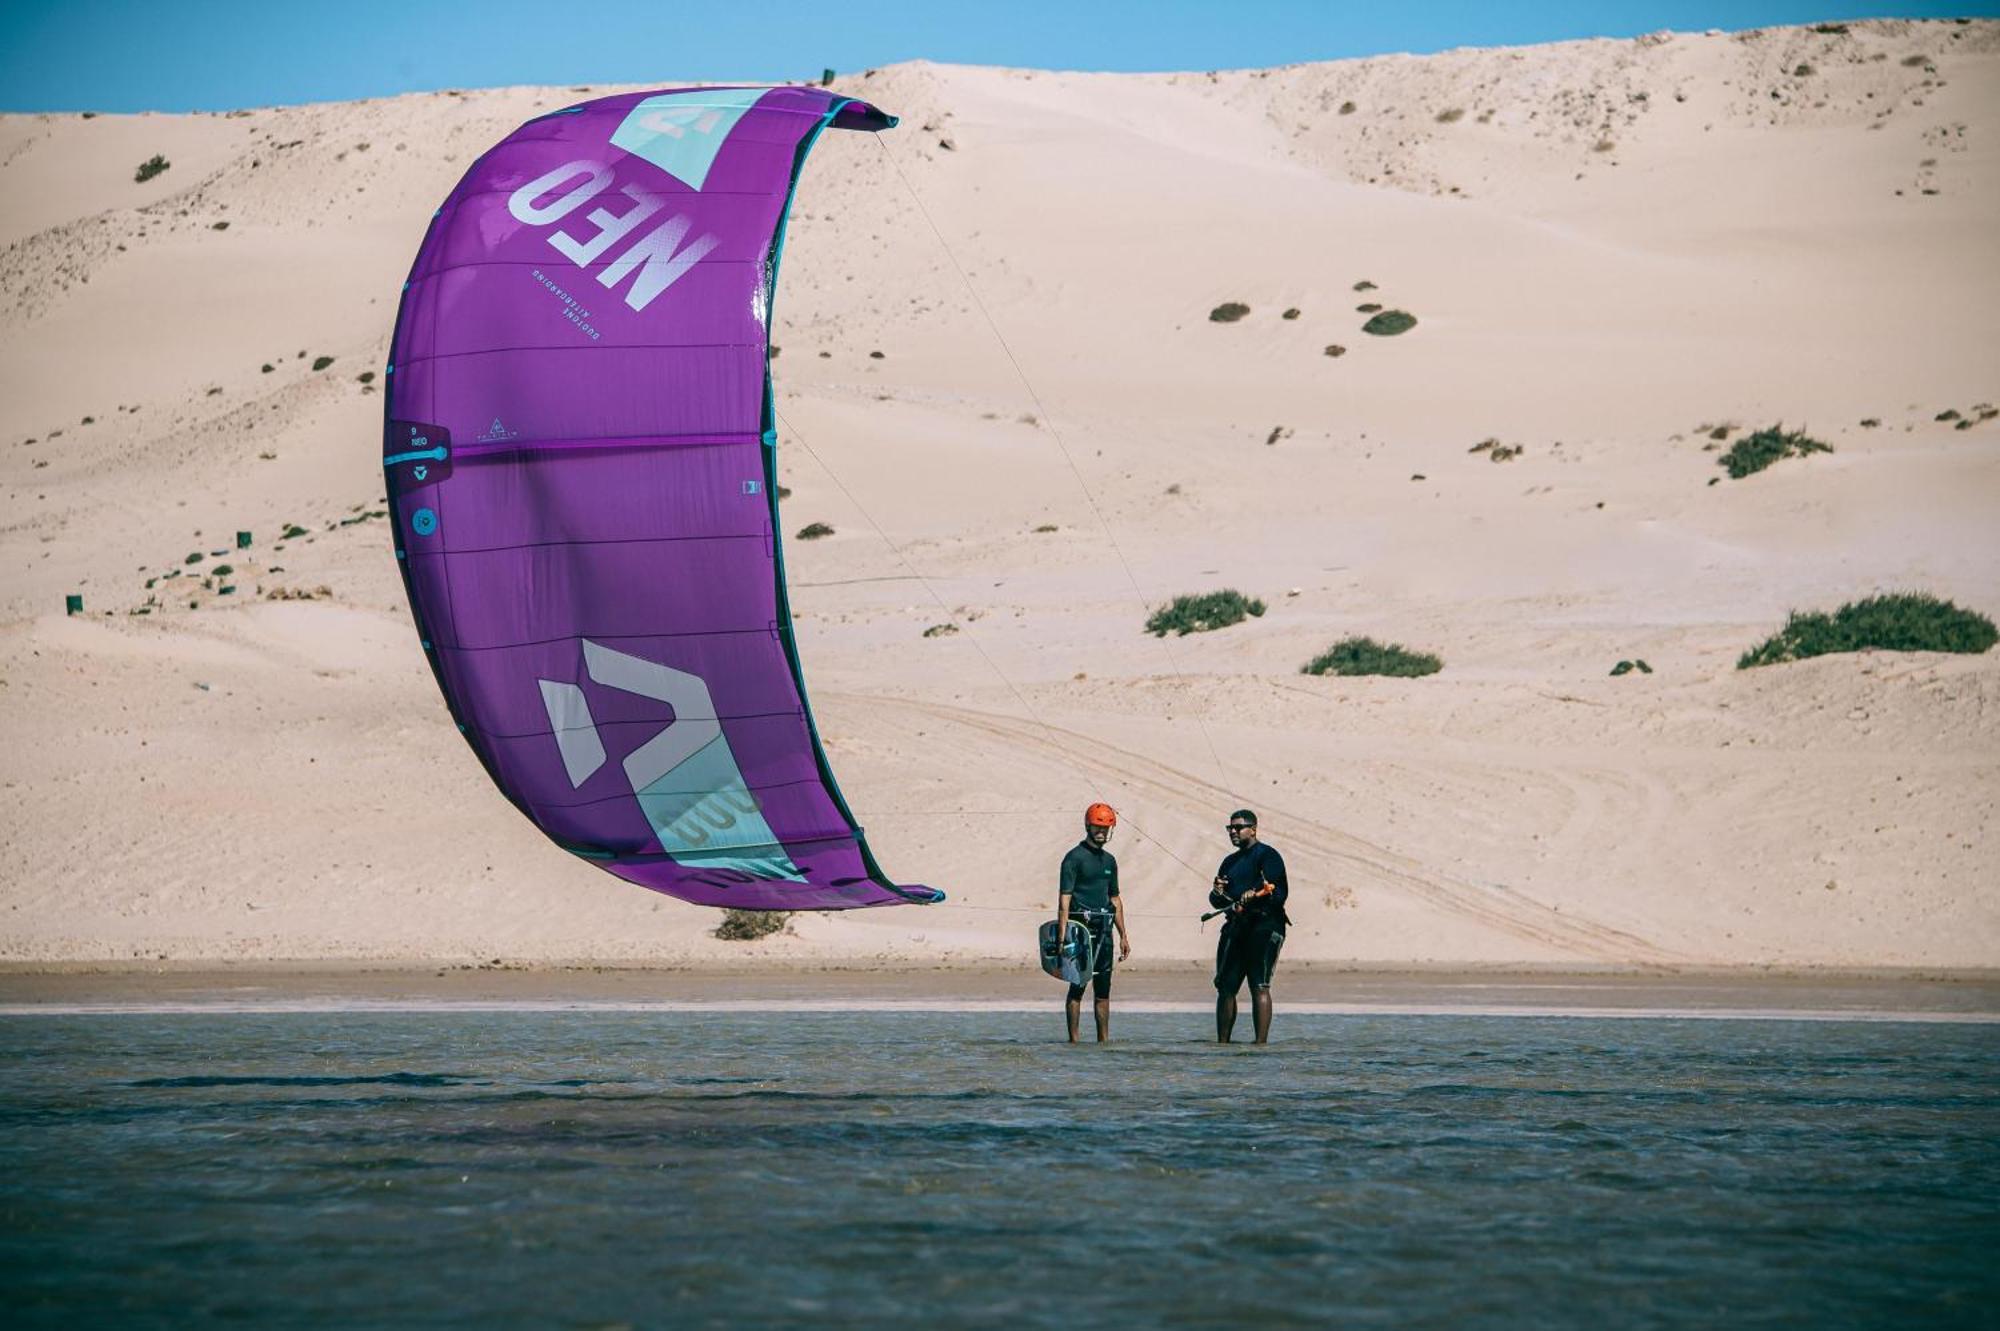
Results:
x,y
582,466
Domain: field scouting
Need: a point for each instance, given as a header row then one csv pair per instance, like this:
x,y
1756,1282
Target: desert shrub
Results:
x,y
812,531
1292,313
940,630
747,926
1335,349
1897,622
1364,285
1452,116
1228,312
1045,528
1754,452
151,167
365,377
1347,108
1202,613
292,530
1365,656
1389,323
1367,307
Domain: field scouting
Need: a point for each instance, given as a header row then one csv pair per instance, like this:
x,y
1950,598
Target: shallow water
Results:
x,y
749,1169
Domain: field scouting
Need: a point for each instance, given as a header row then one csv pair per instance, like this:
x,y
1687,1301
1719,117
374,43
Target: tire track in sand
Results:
x,y
1495,906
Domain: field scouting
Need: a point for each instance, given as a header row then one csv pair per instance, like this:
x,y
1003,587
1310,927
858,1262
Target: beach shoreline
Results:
x,y
1514,991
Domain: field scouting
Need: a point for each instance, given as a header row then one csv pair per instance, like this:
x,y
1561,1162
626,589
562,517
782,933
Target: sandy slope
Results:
x,y
1611,245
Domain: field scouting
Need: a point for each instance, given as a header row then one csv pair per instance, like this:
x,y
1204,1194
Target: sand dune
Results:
x,y
1612,249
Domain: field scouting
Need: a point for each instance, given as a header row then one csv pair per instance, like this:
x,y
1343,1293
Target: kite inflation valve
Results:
x,y
72,605
243,540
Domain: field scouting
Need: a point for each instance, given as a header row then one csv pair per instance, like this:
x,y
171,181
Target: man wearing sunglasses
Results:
x,y
1251,886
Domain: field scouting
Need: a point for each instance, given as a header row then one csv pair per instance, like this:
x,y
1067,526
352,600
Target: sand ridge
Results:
x,y
251,777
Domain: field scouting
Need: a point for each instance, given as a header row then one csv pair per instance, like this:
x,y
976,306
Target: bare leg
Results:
x,y
1072,1013
1260,1013
1225,1016
1101,1009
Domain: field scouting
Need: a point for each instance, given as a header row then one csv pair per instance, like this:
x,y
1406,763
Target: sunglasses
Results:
x,y
1238,827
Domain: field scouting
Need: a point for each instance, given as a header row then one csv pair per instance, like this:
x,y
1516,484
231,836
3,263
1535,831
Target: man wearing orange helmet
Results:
x,y
1087,887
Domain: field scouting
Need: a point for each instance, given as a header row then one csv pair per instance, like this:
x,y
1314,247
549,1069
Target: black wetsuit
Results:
x,y
1251,937
1089,878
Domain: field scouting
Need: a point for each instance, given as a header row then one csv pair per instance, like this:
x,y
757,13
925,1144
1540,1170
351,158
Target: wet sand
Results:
x,y
1959,996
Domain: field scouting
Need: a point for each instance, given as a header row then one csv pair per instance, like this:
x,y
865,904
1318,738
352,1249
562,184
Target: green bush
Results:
x,y
321,362
1200,614
151,167
1228,312
1898,622
1754,452
1365,656
812,531
1389,323
746,926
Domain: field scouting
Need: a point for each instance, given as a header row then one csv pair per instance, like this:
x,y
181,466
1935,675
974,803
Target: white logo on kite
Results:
x,y
685,778
654,261
497,432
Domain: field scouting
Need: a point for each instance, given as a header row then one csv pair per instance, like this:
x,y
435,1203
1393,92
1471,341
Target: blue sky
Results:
x,y
181,55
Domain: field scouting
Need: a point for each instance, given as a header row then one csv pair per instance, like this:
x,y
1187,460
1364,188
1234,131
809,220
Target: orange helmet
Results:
x,y
1100,815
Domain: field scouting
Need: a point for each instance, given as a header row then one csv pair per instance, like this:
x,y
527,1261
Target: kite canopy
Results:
x,y
581,464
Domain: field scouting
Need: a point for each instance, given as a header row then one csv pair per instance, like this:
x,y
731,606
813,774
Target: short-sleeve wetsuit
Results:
x,y
1089,878
1251,937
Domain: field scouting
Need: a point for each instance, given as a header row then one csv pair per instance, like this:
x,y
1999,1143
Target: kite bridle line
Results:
x,y
1027,708
1042,413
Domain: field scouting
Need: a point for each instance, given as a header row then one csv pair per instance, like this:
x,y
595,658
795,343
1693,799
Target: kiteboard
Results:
x,y
1072,962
